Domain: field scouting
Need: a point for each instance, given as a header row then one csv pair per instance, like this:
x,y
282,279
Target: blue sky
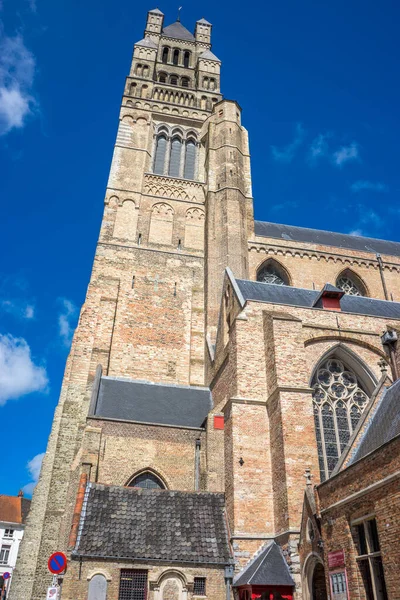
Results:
x,y
318,84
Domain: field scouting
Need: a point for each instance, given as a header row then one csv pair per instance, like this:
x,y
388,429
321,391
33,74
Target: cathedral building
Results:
x,y
217,359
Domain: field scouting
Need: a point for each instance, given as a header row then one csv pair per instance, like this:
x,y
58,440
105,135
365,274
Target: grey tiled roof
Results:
x,y
159,525
282,294
156,11
178,31
203,22
326,238
268,568
384,425
147,43
145,402
208,55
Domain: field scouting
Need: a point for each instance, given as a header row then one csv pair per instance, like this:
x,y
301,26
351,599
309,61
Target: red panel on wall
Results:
x,y
218,422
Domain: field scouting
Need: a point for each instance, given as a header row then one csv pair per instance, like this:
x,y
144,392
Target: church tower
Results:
x,y
180,163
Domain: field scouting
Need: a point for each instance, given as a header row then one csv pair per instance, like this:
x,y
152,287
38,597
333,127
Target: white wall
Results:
x,y
14,542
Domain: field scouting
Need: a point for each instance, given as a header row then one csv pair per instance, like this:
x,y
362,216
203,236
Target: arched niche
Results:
x,y
194,228
161,224
273,272
350,283
171,586
97,587
126,221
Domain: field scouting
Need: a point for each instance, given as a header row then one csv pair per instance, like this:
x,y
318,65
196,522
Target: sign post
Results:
x,y
56,564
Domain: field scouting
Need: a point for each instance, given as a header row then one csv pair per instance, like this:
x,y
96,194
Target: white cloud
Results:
x,y
361,185
66,327
17,70
346,154
369,222
18,373
33,467
18,308
319,147
287,153
356,232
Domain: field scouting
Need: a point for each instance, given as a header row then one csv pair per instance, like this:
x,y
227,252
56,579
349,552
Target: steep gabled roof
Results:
x,y
208,55
14,509
326,238
383,426
156,11
155,525
268,568
203,21
147,43
178,32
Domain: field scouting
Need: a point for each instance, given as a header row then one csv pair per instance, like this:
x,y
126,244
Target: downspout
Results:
x,y
197,466
380,264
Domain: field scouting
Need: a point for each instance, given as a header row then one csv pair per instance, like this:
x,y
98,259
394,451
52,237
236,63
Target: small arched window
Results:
x,y
212,84
351,284
175,159
273,272
186,59
190,159
173,80
175,58
338,401
205,83
132,89
143,92
185,82
159,157
148,481
165,53
162,77
145,71
139,70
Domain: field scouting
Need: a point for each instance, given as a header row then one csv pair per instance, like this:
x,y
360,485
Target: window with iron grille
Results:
x,y
199,588
133,584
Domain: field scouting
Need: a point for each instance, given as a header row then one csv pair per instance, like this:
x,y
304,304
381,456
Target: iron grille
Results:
x,y
199,588
133,584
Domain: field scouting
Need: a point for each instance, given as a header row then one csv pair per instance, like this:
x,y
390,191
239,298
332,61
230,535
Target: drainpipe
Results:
x,y
229,569
197,466
389,341
380,264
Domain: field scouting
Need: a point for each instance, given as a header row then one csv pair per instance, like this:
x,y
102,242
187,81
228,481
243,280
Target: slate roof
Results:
x,y
145,402
208,55
282,294
160,525
326,238
14,509
383,426
156,11
178,32
147,43
268,568
203,21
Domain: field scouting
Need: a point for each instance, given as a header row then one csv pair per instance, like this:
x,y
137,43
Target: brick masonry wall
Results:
x,y
77,579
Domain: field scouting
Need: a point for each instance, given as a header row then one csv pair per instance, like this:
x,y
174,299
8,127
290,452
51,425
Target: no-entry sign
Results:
x,y
57,563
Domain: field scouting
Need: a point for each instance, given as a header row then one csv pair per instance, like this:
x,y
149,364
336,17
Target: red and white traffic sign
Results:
x,y
57,563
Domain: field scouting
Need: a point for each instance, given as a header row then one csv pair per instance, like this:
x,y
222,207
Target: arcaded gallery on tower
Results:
x,y
228,424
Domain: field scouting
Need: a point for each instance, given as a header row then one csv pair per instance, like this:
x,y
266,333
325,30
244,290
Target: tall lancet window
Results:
x,y
159,158
175,159
190,159
338,400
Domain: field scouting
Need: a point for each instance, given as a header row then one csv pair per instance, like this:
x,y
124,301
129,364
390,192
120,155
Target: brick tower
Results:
x,y
216,360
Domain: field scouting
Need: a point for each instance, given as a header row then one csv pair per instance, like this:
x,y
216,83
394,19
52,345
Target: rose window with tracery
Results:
x,y
338,401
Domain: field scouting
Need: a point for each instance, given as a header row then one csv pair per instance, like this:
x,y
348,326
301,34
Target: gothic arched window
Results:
x,y
350,284
175,159
159,158
165,53
148,481
186,59
273,272
338,401
190,159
